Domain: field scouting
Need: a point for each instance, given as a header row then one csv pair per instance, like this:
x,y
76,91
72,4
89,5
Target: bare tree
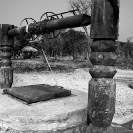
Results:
x,y
129,39
83,6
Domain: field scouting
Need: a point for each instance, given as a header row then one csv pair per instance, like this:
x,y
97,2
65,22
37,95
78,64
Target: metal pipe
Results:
x,y
47,26
69,22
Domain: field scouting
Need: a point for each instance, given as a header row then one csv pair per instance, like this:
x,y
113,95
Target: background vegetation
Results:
x,y
73,44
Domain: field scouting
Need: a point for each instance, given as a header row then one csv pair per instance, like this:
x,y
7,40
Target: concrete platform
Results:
x,y
63,115
59,115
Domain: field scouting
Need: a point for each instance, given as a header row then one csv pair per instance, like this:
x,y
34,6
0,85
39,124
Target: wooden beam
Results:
x,y
102,86
6,43
104,24
47,26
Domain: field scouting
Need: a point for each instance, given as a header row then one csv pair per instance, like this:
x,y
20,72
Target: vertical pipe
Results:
x,y
102,86
6,43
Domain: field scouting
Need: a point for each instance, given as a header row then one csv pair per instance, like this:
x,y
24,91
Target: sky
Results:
x,y
14,11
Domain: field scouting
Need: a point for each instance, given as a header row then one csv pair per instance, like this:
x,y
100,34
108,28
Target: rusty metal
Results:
x,y
47,26
50,16
59,14
28,36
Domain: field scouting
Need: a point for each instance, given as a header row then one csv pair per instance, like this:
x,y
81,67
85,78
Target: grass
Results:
x,y
37,65
65,64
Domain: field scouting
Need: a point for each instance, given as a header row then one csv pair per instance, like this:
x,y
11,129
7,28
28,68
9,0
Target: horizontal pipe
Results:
x,y
69,22
47,26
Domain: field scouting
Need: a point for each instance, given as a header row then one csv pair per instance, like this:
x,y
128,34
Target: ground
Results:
x,y
78,79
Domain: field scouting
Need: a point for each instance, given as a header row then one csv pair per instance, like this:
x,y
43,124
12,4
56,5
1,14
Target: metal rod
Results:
x,y
46,26
64,12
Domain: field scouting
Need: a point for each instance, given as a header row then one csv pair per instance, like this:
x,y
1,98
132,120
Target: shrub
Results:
x,y
23,67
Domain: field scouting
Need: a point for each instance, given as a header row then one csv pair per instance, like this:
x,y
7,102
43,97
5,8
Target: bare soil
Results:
x,y
78,79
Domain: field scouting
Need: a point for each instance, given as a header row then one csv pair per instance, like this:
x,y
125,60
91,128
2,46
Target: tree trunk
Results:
x,y
73,55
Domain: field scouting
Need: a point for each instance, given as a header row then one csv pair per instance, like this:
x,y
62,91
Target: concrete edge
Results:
x,y
81,128
123,120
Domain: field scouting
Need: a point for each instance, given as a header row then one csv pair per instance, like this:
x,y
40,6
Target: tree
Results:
x,y
128,49
69,42
83,6
124,52
19,43
52,47
73,42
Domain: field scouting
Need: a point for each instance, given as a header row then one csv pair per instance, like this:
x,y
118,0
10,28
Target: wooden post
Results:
x,y
6,43
102,86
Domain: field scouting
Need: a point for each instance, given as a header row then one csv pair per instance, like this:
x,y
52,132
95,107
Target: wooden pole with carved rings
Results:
x,y
6,43
102,86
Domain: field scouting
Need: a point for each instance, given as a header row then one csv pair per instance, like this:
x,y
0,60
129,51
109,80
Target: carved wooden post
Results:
x,y
6,43
102,86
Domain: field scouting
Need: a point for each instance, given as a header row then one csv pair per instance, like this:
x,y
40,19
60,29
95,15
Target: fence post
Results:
x,y
6,43
102,86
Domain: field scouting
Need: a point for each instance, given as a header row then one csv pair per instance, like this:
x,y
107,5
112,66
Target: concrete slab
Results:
x,y
59,115
37,93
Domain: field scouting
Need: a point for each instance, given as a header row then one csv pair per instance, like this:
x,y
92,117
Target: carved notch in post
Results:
x,y
102,86
6,43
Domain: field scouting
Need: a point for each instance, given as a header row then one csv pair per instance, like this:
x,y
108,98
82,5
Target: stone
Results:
x,y
66,115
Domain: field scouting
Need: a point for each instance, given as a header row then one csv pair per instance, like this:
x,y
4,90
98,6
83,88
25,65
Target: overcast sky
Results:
x,y
14,11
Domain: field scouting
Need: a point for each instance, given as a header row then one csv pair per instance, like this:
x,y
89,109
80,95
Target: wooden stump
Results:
x,y
6,43
102,86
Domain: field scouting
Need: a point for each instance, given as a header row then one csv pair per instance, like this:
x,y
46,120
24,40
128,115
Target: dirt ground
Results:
x,y
79,80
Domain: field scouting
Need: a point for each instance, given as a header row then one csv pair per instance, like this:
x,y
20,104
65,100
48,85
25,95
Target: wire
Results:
x,y
44,55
